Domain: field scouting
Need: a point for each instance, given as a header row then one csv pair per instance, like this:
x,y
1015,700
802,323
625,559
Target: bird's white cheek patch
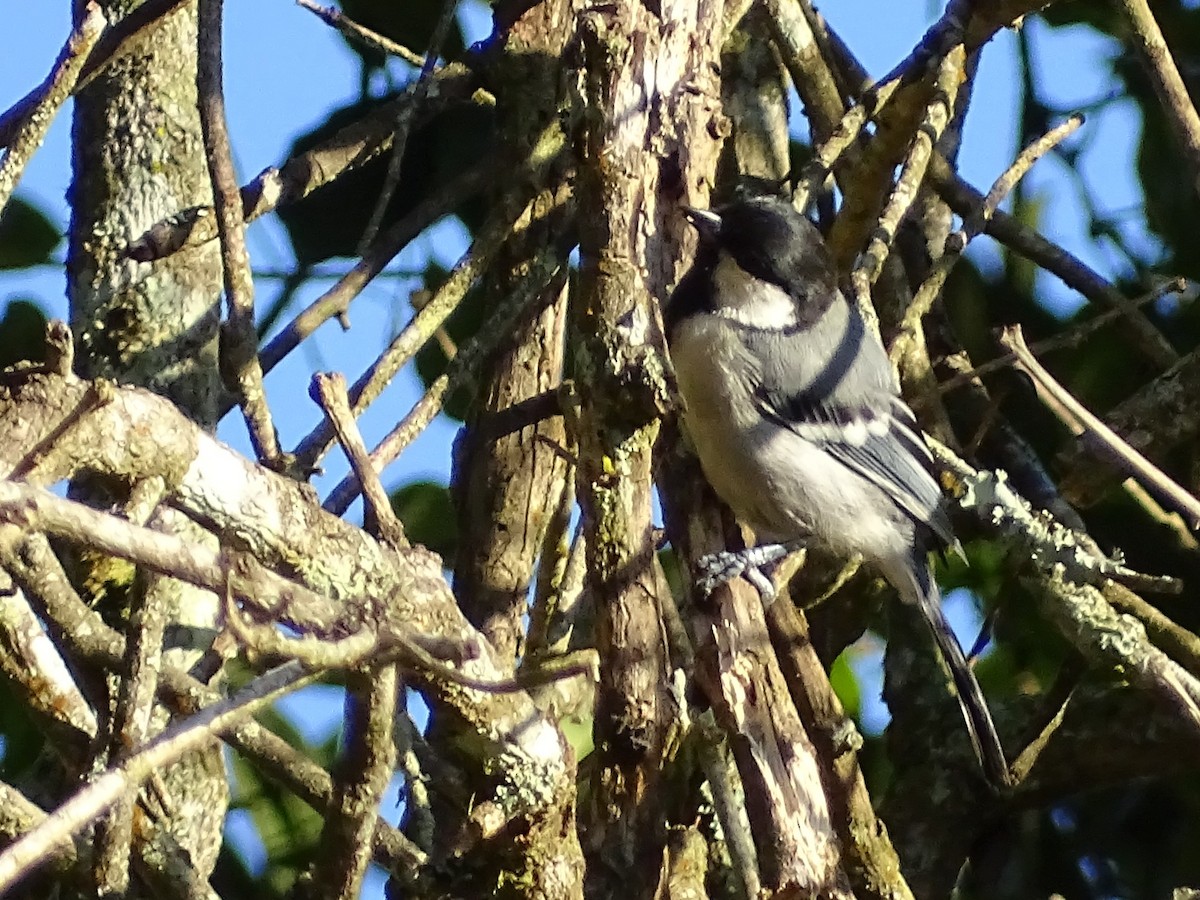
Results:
x,y
750,301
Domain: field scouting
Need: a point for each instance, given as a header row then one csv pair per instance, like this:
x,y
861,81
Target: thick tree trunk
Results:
x,y
137,159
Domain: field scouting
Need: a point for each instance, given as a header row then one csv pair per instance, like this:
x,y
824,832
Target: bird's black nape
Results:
x,y
771,240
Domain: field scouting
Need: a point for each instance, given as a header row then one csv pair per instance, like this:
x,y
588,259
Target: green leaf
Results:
x,y
27,236
845,685
22,333
580,734
331,220
428,516
287,826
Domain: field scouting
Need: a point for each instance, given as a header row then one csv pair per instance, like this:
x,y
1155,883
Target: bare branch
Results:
x,y
973,226
275,520
19,816
1070,337
85,635
36,671
1065,575
912,172
1071,270
1168,84
239,361
131,725
30,130
335,302
330,391
870,859
360,780
1080,419
542,272
31,850
335,18
404,123
434,313
112,45
348,149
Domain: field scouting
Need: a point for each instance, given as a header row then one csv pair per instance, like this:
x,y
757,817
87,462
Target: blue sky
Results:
x,y
285,71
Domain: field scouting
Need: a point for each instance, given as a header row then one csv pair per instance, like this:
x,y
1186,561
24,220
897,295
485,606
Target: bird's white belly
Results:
x,y
780,484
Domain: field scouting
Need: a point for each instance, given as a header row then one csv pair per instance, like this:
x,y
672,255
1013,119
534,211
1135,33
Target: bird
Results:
x,y
795,414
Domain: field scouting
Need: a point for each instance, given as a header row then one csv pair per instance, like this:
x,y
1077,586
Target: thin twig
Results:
x,y
1070,337
1071,270
529,412
814,79
1168,85
541,272
346,150
492,236
35,509
337,19
716,761
1048,543
49,98
1155,510
937,42
329,390
131,725
361,779
239,361
1124,456
419,822
973,225
36,671
912,171
1071,582
1178,642
315,651
112,45
404,126
19,815
87,638
44,840
336,301
240,576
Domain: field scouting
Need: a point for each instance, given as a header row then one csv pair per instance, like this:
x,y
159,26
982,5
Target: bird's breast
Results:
x,y
716,378
716,374
776,481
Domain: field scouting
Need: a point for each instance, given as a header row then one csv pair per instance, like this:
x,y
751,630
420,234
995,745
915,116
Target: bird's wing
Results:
x,y
878,440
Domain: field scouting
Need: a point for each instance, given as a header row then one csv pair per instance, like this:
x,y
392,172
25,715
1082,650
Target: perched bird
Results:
x,y
797,419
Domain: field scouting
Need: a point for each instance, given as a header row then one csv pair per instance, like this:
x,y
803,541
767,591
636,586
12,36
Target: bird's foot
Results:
x,y
715,569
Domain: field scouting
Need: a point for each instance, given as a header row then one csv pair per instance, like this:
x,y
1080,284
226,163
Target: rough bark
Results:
x,y
138,158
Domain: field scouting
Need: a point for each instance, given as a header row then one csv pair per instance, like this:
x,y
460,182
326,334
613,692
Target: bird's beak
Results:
x,y
707,222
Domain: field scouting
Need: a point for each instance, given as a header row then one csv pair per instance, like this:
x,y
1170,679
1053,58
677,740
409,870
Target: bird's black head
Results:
x,y
768,238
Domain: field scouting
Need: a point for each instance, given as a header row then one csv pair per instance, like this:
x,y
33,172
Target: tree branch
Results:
x,y
239,361
37,111
32,848
1168,84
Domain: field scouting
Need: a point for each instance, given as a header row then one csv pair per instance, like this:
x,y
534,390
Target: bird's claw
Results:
x,y
716,569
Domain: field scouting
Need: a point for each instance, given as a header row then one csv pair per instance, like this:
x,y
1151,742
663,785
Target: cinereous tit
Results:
x,y
796,416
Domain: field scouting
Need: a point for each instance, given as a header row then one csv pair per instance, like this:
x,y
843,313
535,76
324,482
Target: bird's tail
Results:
x,y
975,711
